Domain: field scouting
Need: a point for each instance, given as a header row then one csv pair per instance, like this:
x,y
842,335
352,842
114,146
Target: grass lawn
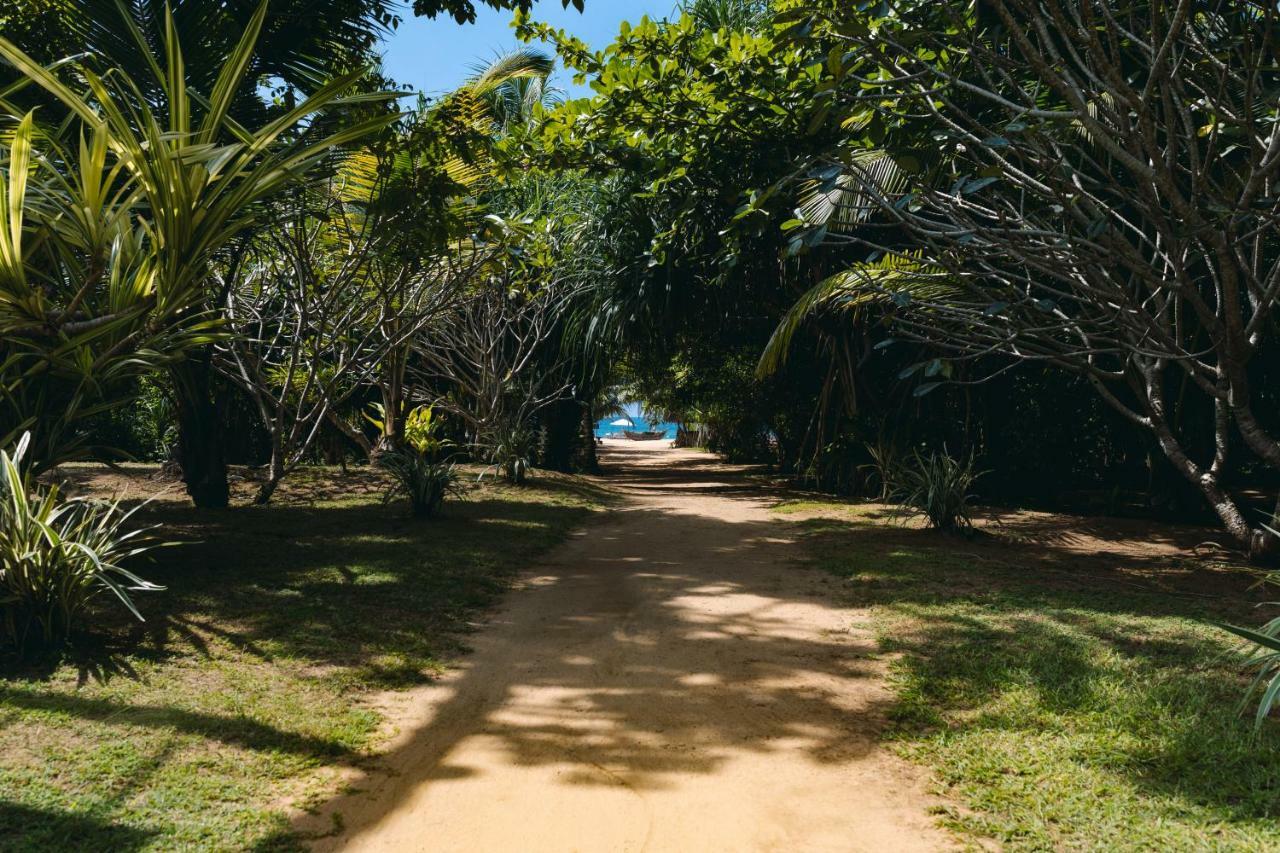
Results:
x,y
256,667
1064,688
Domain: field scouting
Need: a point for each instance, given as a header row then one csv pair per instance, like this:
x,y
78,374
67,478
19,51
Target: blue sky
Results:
x,y
436,56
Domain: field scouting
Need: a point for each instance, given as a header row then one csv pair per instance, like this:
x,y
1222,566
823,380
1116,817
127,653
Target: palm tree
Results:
x,y
513,86
736,15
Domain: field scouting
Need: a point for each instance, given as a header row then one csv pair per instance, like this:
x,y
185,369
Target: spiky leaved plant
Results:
x,y
512,449
937,487
420,470
58,555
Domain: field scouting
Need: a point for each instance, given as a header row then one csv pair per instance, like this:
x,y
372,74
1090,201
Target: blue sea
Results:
x,y
605,428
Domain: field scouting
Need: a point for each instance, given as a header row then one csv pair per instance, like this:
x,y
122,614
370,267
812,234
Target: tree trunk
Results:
x,y
200,441
592,459
1260,544
275,472
561,432
354,435
393,413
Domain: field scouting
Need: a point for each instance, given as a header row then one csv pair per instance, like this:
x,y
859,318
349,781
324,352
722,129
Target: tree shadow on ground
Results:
x,y
623,642
274,621
1112,646
25,829
355,586
240,731
664,642
358,593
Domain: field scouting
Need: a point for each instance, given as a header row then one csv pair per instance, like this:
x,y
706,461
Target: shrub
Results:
x,y
420,471
511,451
938,488
57,555
884,468
424,481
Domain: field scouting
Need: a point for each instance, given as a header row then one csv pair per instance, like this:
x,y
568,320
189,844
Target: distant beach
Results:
x,y
606,429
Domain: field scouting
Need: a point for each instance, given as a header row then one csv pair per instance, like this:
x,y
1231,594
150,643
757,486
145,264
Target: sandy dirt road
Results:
x,y
669,680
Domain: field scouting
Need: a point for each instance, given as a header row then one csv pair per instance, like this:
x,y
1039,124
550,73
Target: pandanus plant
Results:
x,y
111,221
58,555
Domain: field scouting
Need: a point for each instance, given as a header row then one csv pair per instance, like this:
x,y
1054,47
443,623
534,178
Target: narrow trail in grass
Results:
x,y
668,680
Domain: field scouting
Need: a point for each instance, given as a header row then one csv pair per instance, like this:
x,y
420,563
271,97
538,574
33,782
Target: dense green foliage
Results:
x,y
130,207
718,184
1064,215
760,190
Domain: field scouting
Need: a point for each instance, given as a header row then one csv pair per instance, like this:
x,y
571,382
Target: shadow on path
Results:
x,y
665,644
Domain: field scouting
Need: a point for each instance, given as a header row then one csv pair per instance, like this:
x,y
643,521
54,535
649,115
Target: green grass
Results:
x,y
251,675
1064,701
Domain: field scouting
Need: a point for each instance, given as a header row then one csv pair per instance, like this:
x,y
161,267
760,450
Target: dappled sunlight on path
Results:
x,y
668,680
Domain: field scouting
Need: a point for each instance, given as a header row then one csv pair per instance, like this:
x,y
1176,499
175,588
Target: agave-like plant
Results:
x,y
886,463
57,556
1265,656
106,241
426,482
937,487
511,450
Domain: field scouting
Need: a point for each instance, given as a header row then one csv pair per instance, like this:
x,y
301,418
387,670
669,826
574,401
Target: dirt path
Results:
x,y
666,682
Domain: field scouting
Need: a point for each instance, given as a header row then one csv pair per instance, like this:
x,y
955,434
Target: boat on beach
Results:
x,y
643,436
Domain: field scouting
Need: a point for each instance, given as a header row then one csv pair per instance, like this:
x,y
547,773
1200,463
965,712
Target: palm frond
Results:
x,y
842,196
853,290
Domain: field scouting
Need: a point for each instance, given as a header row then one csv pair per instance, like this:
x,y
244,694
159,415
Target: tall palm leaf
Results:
x,y
193,177
512,86
893,278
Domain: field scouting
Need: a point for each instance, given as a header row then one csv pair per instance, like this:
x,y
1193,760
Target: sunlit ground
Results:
x,y
1065,699
254,667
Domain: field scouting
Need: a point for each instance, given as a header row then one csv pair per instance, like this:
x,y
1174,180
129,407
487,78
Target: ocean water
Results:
x,y
605,428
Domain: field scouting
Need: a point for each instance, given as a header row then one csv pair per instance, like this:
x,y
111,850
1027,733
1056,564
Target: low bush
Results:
x,y
936,487
425,482
57,556
884,467
420,470
512,448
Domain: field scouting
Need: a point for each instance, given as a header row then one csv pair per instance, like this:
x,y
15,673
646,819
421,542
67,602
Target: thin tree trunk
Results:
x,y
1259,543
275,471
592,458
392,437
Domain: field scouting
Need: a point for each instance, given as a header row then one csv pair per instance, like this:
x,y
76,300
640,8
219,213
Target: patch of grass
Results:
x,y
812,506
1065,702
251,675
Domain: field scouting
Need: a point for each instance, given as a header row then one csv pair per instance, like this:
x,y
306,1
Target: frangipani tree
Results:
x,y
325,306
1090,185
497,353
